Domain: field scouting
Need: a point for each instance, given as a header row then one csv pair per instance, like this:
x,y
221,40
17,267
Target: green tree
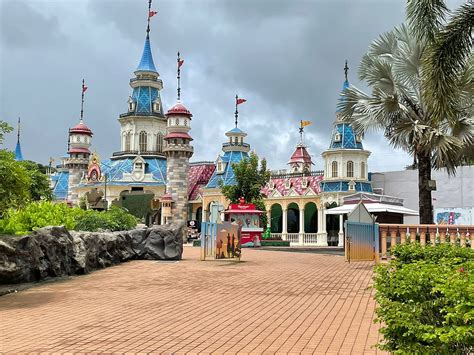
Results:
x,y
15,182
392,69
39,187
251,175
4,129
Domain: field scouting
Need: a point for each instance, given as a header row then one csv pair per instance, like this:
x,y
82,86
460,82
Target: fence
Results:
x,y
393,234
298,239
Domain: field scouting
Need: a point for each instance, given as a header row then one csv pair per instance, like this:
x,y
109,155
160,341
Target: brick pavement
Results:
x,y
272,302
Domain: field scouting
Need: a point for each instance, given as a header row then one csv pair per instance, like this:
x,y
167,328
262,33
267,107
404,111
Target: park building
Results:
x,y
151,174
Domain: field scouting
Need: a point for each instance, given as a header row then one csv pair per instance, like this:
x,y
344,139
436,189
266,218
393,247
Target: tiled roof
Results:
x,y
198,177
146,63
300,155
343,185
228,176
61,185
287,185
347,137
18,154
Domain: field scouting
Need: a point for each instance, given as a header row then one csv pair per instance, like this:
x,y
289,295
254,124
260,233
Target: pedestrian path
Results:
x,y
271,302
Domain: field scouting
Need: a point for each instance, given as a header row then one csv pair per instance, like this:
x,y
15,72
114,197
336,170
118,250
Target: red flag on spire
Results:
x,y
240,101
152,13
84,88
180,63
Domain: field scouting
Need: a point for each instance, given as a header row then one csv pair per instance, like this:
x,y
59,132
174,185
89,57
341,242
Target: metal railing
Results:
x,y
238,144
280,174
135,152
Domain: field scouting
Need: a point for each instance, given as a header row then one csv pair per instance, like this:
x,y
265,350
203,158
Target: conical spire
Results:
x,y
146,63
18,154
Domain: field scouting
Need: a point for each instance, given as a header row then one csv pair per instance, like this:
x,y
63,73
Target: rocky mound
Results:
x,y
54,251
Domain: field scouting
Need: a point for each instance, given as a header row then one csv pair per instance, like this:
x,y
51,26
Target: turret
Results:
x,y
18,154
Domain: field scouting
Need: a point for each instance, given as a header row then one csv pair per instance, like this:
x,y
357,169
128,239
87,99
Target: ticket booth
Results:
x,y
249,218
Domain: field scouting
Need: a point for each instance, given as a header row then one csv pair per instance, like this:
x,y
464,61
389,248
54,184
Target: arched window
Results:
x,y
159,142
127,141
334,169
142,141
350,168
177,122
362,170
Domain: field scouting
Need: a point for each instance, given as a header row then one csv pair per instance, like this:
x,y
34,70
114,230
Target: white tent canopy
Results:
x,y
372,208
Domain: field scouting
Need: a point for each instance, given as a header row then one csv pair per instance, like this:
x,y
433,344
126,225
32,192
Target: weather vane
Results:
x,y
346,69
180,63
237,103
84,89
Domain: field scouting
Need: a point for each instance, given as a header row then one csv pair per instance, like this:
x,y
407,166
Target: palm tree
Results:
x,y
392,69
448,52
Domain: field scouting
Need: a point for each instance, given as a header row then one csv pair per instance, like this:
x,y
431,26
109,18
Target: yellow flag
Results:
x,y
305,123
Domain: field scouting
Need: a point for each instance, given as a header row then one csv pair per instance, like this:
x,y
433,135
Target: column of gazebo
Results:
x,y
284,231
322,234
341,231
301,231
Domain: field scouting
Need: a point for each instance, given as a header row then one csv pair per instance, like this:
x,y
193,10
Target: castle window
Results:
x,y
304,182
185,122
287,183
337,137
272,184
159,142
177,122
156,106
358,138
334,169
350,168
351,185
142,141
362,170
127,141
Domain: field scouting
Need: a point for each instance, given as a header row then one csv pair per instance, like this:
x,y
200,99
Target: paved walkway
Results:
x,y
273,302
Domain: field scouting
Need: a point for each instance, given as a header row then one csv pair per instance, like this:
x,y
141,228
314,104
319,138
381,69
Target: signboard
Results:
x,y
454,216
228,241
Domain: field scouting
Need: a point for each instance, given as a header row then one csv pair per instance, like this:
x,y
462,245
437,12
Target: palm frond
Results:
x,y
426,17
445,61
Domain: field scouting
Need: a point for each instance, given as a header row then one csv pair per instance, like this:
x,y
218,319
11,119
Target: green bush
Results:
x,y
115,219
41,214
425,300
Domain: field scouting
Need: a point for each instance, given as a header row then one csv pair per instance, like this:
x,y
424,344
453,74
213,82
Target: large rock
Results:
x,y
54,251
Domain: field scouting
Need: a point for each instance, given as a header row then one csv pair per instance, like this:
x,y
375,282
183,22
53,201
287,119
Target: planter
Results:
x,y
274,243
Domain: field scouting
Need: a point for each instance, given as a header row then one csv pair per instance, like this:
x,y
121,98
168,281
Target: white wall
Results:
x,y
452,191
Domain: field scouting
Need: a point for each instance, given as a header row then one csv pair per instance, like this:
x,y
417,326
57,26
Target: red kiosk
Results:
x,y
249,217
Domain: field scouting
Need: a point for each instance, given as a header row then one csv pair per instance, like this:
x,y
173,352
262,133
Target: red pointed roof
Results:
x,y
81,128
178,135
300,155
179,109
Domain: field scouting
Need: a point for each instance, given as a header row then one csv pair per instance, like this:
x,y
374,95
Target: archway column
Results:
x,y
341,231
269,218
285,224
301,233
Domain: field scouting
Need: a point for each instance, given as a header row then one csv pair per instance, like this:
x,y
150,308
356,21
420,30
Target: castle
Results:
x,y
152,177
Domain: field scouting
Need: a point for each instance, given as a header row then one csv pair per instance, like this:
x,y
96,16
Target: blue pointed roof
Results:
x,y
227,176
342,98
236,130
18,155
146,63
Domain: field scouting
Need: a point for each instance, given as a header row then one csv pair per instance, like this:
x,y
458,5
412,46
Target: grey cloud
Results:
x,y
24,27
284,57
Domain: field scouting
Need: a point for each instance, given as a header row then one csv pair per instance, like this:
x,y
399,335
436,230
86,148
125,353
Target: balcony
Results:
x,y
135,152
280,174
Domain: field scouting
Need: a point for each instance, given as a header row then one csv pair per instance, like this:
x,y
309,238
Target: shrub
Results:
x,y
39,214
115,219
425,300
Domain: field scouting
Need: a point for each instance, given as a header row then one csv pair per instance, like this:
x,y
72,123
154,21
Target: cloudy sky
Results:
x,y
285,57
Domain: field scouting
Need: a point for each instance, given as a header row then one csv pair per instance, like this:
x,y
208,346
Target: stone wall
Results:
x,y
54,251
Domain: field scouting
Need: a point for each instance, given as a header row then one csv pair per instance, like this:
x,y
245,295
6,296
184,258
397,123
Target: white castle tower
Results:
x,y
79,143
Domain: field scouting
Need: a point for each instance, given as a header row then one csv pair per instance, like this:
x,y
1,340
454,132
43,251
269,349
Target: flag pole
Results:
x,y
148,20
301,131
179,78
82,100
236,110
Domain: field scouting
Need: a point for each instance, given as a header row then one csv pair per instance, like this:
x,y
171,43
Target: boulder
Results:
x,y
54,251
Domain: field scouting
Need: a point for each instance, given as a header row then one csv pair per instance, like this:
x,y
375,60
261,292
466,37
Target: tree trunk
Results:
x,y
424,191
